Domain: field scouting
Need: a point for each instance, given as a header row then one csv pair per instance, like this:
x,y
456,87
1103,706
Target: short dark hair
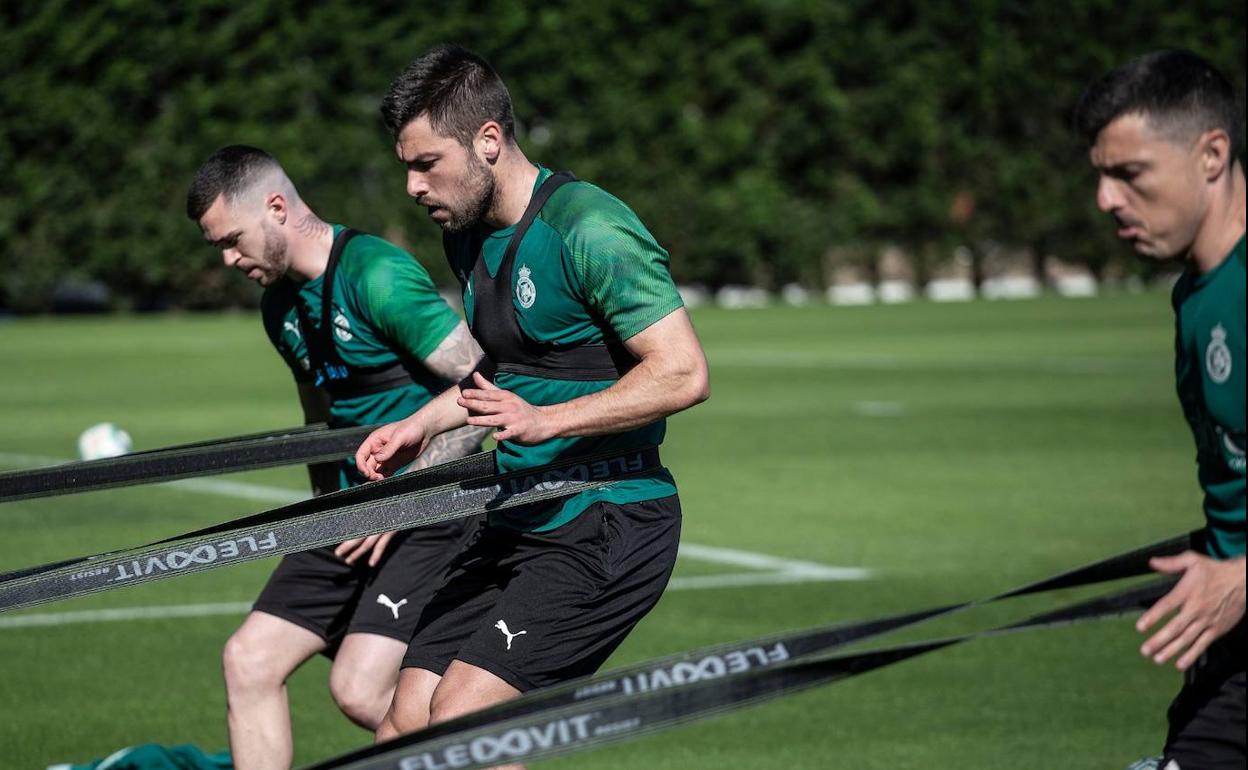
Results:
x,y
458,90
230,171
1178,92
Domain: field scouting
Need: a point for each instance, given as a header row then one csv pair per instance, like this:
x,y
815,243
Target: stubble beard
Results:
x,y
478,193
274,263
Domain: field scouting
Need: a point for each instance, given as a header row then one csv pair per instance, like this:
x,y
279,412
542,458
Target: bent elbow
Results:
x,y
698,385
704,390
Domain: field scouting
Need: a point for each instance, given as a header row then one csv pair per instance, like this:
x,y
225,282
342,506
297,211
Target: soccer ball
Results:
x,y
103,440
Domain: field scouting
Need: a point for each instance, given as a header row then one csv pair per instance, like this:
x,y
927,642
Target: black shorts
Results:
x,y
539,608
318,591
1207,718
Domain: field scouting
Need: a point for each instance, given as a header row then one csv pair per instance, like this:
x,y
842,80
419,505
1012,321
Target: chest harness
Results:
x,y
338,378
494,323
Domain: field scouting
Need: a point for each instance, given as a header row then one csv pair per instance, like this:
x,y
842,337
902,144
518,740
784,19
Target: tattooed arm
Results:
x,y
451,445
439,423
455,359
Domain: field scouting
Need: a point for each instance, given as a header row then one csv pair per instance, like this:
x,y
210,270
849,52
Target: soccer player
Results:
x,y
368,339
588,349
1165,139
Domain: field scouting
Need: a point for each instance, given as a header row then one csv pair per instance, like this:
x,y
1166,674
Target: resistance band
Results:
x,y
306,444
458,489
662,693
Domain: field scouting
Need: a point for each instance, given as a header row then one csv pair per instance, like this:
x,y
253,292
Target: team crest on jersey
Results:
x,y
1218,356
526,292
342,326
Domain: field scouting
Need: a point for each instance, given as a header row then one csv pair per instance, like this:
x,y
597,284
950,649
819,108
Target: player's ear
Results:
x,y
489,141
275,206
1214,147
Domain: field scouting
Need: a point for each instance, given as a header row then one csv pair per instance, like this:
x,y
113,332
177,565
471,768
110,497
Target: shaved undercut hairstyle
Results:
x,y
232,172
1180,95
458,91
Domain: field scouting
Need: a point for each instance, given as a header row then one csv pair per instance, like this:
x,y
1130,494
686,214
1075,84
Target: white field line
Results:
x,y
762,561
742,580
221,487
123,613
831,359
240,489
764,568
29,461
878,408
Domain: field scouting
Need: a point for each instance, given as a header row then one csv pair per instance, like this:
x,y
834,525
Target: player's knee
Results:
x,y
403,718
362,700
248,665
386,730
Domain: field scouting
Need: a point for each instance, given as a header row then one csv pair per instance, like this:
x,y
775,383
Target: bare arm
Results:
x,y
315,403
671,375
454,360
456,356
392,446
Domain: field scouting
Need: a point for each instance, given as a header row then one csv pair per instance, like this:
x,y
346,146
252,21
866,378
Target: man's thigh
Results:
x,y
466,688
318,591
314,590
466,597
1207,720
410,574
573,594
1207,729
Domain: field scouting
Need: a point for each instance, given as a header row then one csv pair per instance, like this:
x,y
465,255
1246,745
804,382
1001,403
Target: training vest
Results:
x,y
494,322
338,379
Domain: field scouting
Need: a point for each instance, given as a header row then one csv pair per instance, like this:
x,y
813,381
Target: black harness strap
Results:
x,y
332,374
495,326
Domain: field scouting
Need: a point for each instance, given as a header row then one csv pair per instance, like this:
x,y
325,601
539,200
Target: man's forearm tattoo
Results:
x,y
451,445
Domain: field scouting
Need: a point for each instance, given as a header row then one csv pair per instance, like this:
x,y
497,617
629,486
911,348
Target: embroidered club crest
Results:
x,y
342,326
526,292
1218,356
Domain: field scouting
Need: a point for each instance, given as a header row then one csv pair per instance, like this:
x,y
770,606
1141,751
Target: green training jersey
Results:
x,y
586,267
386,311
1209,372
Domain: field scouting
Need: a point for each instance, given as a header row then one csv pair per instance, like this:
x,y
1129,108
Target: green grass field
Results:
x,y
952,450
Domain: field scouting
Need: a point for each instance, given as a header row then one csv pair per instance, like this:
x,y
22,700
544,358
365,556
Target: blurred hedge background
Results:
x,y
763,141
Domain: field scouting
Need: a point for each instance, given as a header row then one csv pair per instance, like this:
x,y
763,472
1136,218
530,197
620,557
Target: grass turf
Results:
x,y
954,450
